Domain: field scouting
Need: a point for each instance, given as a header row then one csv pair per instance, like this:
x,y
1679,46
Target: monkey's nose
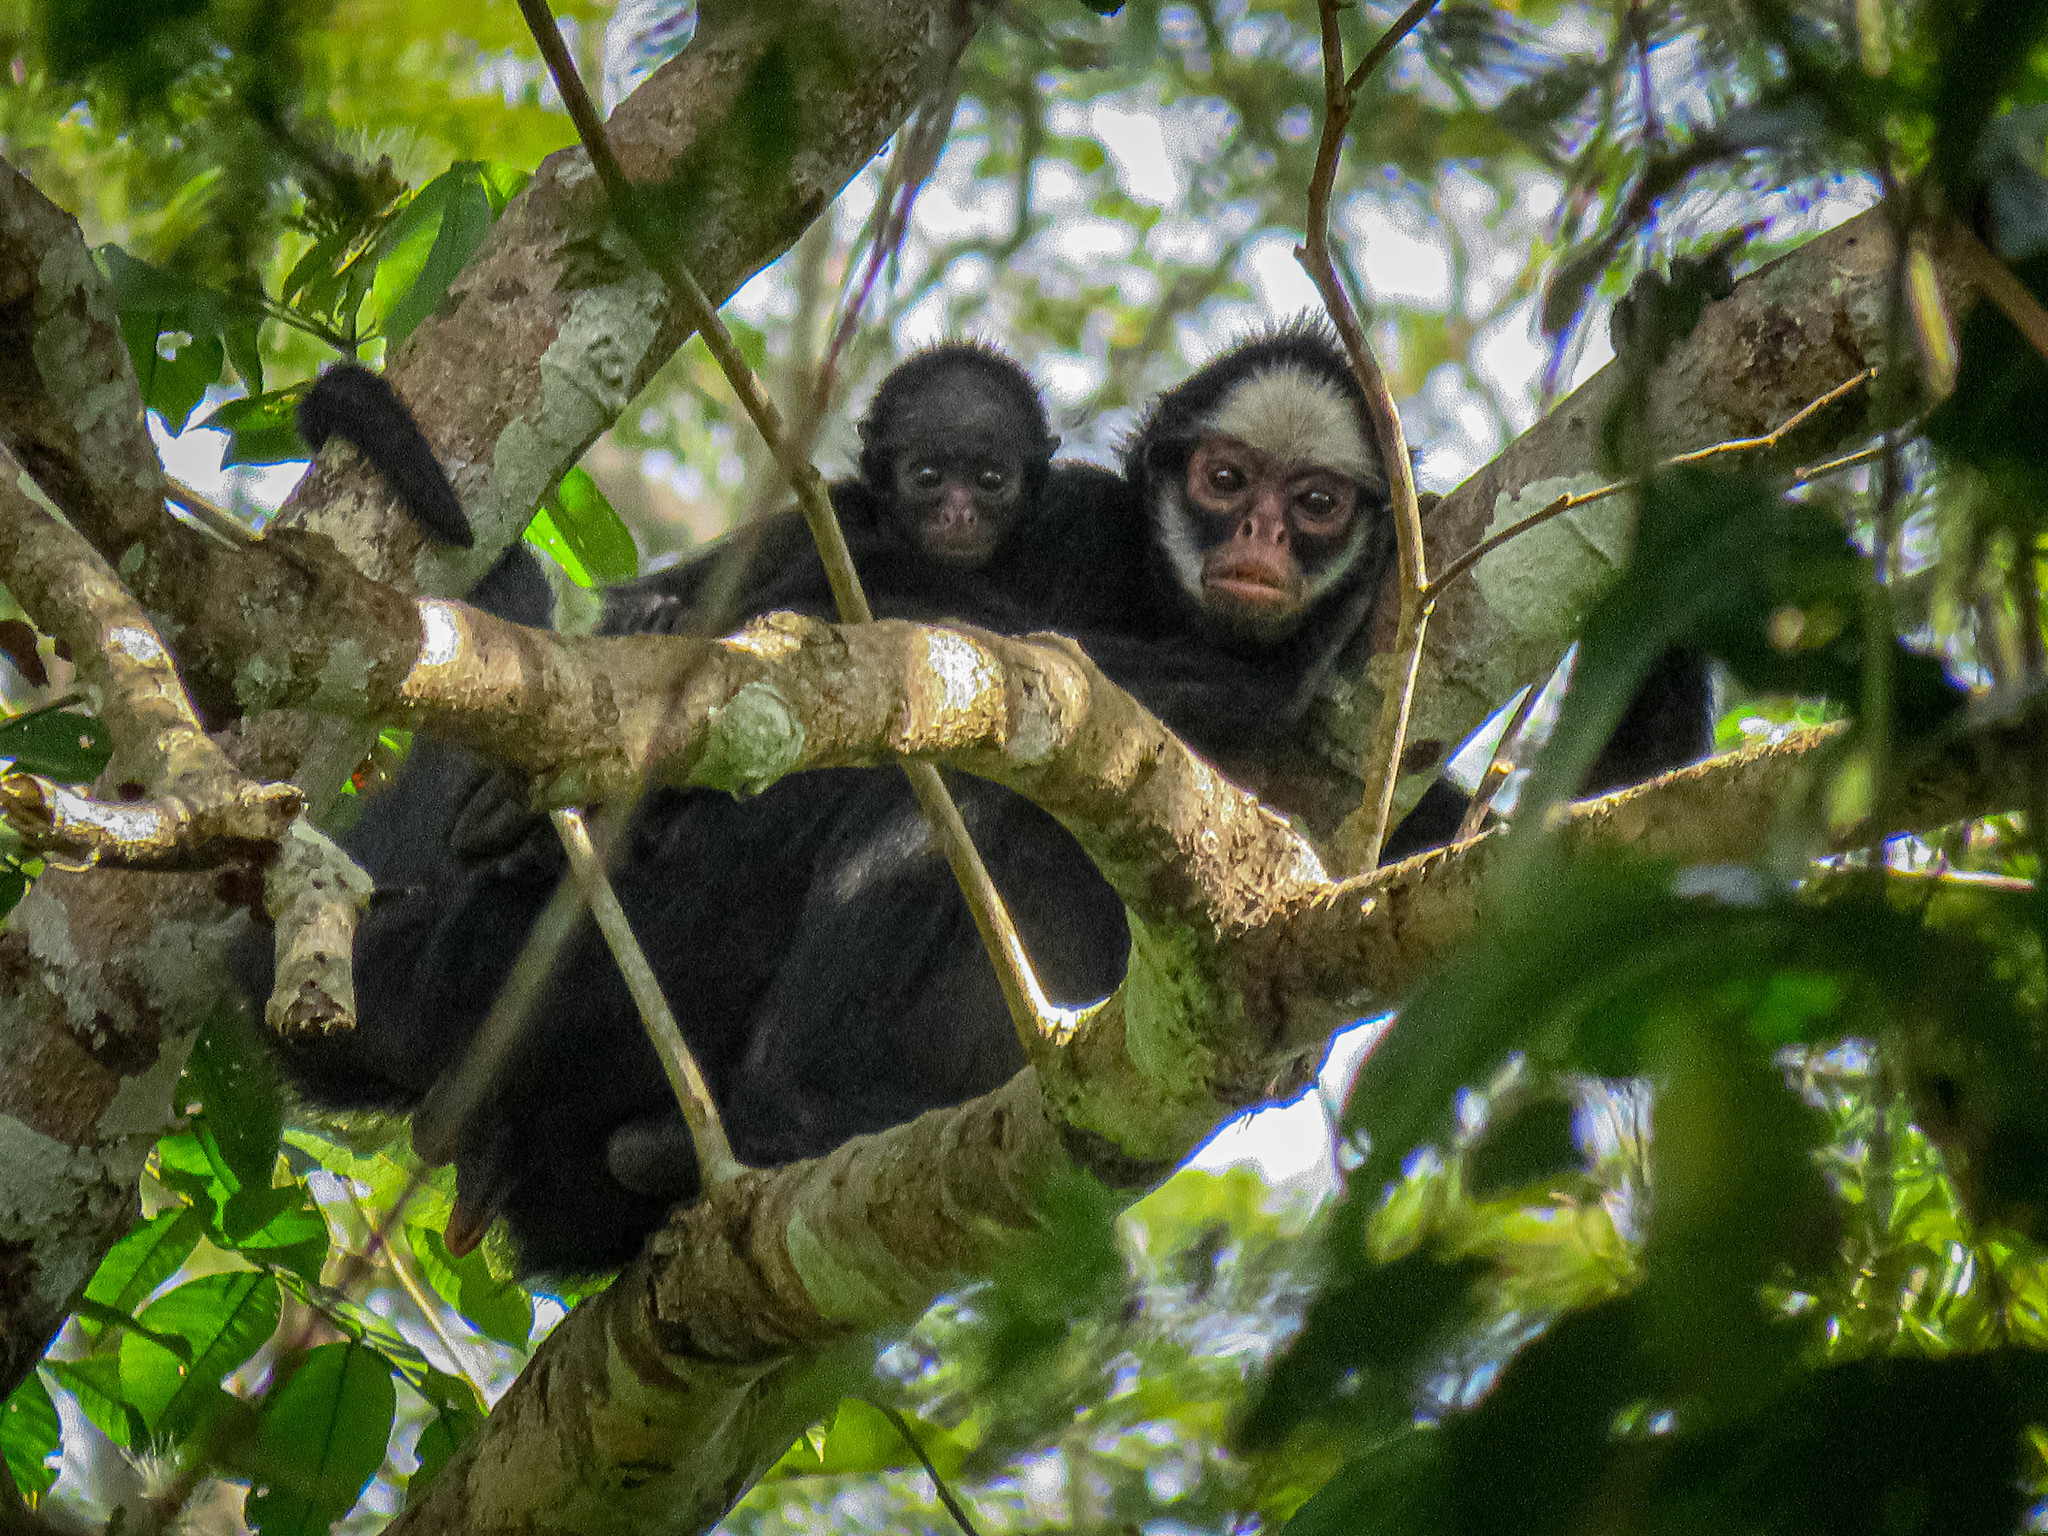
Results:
x,y
1263,525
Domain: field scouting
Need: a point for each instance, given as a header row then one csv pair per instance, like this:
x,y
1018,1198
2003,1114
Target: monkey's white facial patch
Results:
x,y
1291,416
1176,531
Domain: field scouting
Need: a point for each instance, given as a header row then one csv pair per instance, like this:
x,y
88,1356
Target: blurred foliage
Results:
x,y
1814,1300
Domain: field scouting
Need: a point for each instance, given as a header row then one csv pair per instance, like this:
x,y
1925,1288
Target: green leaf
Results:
x,y
500,1309
862,1440
291,1235
154,303
30,1436
429,244
173,367
190,1165
366,1327
1396,1486
225,1318
96,1382
543,535
440,1439
228,1083
1725,567
148,1256
503,182
578,527
59,744
262,429
322,1437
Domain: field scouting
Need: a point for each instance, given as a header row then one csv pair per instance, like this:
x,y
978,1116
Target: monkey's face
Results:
x,y
1272,535
957,505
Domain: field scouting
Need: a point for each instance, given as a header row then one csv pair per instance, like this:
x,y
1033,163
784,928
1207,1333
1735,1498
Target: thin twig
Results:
x,y
714,1152
1984,267
1810,472
1365,832
1376,55
1464,562
398,1258
1020,988
210,514
953,1506
1500,767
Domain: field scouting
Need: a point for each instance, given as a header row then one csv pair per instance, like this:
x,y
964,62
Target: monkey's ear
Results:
x,y
866,429
1052,444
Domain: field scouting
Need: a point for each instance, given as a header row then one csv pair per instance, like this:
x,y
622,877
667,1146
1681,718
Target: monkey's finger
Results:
x,y
655,1157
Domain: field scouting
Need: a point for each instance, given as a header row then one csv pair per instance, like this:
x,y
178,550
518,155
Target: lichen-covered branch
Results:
x,y
1790,333
184,806
543,340
705,1360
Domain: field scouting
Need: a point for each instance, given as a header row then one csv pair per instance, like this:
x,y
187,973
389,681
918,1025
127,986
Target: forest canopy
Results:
x,y
1671,1158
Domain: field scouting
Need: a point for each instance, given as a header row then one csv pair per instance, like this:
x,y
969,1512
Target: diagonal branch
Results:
x,y
182,805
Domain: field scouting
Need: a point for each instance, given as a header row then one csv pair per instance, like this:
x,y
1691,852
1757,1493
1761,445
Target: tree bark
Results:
x,y
657,1404
547,335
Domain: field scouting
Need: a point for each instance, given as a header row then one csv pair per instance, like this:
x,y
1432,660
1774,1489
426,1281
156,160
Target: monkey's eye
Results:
x,y
1227,479
926,477
1317,504
991,479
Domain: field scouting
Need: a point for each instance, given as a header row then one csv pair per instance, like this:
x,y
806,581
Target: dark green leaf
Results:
x,y
262,429
429,244
228,1082
278,1227
1362,1344
323,1436
441,1438
500,1309
59,744
30,1436
1396,1486
1725,567
225,1318
173,367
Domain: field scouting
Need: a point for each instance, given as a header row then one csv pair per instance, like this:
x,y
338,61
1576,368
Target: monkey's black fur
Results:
x,y
358,407
818,956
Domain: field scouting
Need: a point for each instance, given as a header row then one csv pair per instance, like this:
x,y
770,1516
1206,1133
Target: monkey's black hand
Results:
x,y
655,1157
357,406
495,824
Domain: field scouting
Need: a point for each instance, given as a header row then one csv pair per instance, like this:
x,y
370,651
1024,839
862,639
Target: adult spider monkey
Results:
x,y
958,507
878,1002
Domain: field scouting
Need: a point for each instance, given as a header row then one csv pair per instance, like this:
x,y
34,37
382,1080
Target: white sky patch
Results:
x,y
1398,260
1292,1143
1135,141
1283,288
194,457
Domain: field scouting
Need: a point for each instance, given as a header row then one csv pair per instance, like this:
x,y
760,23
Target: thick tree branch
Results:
x,y
185,806
1790,333
711,1353
545,337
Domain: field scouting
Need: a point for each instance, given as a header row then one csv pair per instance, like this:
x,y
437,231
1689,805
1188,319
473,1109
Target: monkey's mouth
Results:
x,y
1249,584
964,543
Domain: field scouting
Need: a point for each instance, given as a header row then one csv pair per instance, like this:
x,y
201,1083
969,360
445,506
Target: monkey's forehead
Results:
x,y
1296,418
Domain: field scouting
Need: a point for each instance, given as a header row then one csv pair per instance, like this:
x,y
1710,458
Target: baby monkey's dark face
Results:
x,y
1270,532
957,504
